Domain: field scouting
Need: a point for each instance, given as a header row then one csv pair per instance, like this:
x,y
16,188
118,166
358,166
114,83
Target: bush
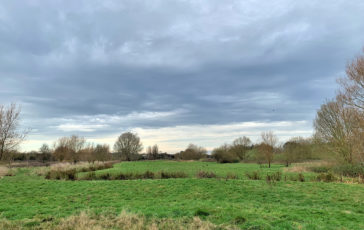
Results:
x,y
326,177
253,175
204,174
349,170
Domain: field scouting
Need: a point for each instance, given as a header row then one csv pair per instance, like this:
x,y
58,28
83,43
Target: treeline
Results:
x,y
267,151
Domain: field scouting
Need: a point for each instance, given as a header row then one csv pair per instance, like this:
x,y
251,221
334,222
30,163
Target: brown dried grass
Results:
x,y
85,221
3,171
64,166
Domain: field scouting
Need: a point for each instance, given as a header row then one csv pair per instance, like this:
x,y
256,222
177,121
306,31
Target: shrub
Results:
x,y
204,174
326,177
253,175
349,170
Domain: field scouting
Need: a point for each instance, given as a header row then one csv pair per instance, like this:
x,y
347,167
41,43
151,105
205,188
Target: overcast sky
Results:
x,y
175,72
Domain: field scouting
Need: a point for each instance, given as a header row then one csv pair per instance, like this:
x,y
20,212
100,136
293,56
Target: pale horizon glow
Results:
x,y
175,139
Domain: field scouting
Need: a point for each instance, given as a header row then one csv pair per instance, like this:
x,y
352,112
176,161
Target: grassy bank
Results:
x,y
245,203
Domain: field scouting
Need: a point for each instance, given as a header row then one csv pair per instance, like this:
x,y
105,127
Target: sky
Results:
x,y
174,72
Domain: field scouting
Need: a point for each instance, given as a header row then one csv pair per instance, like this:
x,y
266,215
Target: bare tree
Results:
x,y
10,135
155,151
128,144
352,95
102,153
266,148
296,149
337,125
353,85
265,152
69,148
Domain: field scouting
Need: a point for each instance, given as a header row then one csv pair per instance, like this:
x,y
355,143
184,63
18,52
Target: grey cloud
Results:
x,y
218,62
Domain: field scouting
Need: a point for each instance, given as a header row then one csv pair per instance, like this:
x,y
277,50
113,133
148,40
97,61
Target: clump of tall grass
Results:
x,y
326,177
167,175
133,176
253,175
231,176
273,177
205,174
70,174
67,171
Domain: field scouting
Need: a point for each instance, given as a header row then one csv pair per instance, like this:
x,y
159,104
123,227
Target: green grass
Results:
x,y
189,167
285,205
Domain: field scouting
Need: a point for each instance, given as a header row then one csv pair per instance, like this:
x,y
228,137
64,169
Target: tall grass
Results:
x,y
66,171
86,221
3,171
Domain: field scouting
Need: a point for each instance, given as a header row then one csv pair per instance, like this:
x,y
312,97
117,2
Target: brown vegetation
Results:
x,y
88,221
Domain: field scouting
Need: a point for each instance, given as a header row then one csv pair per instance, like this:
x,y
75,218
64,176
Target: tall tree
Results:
x,y
128,144
336,124
10,135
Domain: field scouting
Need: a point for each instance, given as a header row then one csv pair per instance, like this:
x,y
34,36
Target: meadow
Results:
x,y
28,200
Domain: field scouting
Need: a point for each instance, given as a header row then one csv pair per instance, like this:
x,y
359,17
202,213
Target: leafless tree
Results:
x,y
152,152
10,135
128,144
102,153
69,148
352,92
266,148
337,124
265,152
155,151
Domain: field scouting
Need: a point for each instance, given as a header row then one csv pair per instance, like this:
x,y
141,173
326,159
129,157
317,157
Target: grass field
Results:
x,y
30,200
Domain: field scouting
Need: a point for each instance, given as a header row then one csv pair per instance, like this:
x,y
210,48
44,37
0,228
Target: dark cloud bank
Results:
x,y
101,67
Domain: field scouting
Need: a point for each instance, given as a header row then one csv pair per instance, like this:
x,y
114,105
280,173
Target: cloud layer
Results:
x,y
98,68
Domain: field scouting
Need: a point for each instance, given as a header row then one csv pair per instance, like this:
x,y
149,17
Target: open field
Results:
x,y
29,200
